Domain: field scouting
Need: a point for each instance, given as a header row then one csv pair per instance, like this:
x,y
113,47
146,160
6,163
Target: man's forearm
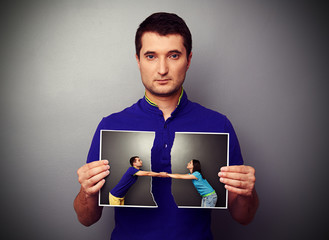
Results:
x,y
87,208
154,174
148,173
243,208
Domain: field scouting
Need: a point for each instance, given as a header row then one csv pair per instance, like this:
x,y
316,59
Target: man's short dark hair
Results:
x,y
132,160
164,23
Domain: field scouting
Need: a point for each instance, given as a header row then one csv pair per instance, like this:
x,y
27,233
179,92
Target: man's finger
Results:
x,y
94,189
96,170
93,164
238,169
235,176
237,183
97,178
239,191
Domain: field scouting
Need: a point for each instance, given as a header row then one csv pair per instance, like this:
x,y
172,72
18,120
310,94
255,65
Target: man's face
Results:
x,y
138,163
163,64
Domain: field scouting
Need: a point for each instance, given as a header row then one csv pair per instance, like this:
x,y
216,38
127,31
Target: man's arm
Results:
x,y
91,178
182,176
151,174
242,196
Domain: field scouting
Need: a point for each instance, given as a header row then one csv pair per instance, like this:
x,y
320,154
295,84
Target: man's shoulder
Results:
x,y
123,119
126,112
202,109
206,114
132,171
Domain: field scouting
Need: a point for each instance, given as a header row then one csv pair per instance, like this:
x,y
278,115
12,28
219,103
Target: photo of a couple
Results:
x,y
195,161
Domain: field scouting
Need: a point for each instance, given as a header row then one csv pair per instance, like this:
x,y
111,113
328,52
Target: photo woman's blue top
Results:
x,y
202,185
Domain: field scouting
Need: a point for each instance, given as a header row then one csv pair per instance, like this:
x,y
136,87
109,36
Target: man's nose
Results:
x,y
163,67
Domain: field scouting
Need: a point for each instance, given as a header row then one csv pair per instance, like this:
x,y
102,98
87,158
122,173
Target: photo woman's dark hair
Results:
x,y
197,167
164,23
132,160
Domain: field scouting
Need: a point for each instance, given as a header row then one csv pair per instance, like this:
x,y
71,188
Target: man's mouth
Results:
x,y
162,81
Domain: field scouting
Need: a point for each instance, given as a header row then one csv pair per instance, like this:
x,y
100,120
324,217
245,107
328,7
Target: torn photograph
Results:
x,y
196,159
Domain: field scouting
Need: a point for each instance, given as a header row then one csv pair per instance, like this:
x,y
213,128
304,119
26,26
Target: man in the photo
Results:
x,y
118,193
163,53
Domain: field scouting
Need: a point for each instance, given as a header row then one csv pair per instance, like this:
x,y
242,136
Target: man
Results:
x,y
118,193
163,53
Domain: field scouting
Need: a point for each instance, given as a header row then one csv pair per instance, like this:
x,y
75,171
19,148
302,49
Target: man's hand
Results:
x,y
242,196
163,174
238,179
91,176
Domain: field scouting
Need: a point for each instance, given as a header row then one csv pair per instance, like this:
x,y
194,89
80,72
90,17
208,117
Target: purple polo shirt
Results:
x,y
167,221
128,179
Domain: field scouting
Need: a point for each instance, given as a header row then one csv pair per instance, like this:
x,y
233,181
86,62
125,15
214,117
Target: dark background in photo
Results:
x,y
118,147
211,151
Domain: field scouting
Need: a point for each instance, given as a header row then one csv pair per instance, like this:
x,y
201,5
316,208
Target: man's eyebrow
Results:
x,y
149,52
170,52
175,51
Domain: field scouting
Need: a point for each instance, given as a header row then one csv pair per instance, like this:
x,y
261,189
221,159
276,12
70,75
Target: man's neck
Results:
x,y
166,104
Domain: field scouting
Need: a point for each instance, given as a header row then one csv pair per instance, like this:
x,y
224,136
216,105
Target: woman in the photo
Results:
x,y
208,194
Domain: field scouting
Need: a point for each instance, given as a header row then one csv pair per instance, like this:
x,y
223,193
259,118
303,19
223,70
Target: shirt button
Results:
x,y
165,145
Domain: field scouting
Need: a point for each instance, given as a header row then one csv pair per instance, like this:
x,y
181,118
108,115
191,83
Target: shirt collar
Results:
x,y
182,101
149,101
155,105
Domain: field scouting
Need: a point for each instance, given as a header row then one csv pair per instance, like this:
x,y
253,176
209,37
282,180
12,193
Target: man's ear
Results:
x,y
138,61
189,61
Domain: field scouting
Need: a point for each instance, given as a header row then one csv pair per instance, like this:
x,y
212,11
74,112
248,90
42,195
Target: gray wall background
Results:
x,y
66,64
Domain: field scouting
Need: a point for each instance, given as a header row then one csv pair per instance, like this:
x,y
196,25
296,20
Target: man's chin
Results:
x,y
165,93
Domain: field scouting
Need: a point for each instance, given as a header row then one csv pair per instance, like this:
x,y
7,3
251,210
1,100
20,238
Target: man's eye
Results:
x,y
150,57
174,56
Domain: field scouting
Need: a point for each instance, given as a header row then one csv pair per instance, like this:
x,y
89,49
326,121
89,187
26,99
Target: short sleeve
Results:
x,y
196,174
132,171
235,156
93,154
